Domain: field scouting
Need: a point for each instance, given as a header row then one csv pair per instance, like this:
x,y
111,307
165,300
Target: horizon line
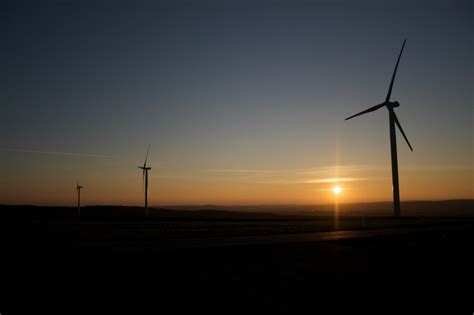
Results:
x,y
235,205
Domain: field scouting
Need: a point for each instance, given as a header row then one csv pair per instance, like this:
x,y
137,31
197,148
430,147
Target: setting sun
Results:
x,y
337,190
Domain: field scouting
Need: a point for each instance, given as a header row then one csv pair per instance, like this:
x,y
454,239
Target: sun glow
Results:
x,y
337,190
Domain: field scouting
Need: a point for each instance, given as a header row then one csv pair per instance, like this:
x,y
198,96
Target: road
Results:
x,y
256,240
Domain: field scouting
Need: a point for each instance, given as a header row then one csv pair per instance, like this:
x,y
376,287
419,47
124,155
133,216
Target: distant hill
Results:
x,y
409,208
39,212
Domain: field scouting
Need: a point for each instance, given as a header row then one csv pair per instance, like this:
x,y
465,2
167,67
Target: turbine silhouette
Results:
x,y
145,180
393,120
78,190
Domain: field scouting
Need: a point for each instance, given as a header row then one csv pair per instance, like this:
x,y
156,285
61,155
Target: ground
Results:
x,y
422,267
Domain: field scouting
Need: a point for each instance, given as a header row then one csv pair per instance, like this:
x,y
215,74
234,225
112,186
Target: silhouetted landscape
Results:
x,y
448,208
216,259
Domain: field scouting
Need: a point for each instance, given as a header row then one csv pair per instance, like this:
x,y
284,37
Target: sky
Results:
x,y
242,102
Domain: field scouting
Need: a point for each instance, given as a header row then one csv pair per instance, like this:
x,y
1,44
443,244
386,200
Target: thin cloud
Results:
x,y
59,153
301,171
439,167
316,181
301,176
240,171
335,180
333,169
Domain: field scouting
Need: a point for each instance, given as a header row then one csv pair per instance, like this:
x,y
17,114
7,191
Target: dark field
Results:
x,y
66,265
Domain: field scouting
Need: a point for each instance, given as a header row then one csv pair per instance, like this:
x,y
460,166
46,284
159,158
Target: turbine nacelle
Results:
x,y
393,104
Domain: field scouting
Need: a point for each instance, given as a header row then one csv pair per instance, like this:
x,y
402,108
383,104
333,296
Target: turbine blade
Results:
x,y
401,129
395,73
373,108
146,157
143,181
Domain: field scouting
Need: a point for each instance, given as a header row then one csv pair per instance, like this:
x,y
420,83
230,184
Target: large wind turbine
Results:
x,y
393,141
78,190
145,179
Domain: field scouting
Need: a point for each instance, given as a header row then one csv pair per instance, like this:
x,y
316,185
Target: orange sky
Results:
x,y
107,184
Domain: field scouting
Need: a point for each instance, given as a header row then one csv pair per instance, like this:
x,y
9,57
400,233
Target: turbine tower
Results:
x,y
393,120
145,180
78,190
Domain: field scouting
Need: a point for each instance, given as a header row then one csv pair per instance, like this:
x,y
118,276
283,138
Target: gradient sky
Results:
x,y
243,102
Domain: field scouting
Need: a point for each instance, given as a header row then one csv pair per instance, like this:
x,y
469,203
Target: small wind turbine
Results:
x,y
393,141
78,190
145,179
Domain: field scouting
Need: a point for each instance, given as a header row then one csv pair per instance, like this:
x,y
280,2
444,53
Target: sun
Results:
x,y
337,190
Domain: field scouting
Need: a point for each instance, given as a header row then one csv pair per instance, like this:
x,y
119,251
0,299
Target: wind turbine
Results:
x,y
393,120
78,190
145,179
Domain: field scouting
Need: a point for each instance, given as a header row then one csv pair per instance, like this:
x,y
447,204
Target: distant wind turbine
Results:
x,y
393,141
78,190
145,179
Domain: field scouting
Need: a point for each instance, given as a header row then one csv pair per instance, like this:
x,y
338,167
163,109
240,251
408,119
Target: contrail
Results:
x,y
59,153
